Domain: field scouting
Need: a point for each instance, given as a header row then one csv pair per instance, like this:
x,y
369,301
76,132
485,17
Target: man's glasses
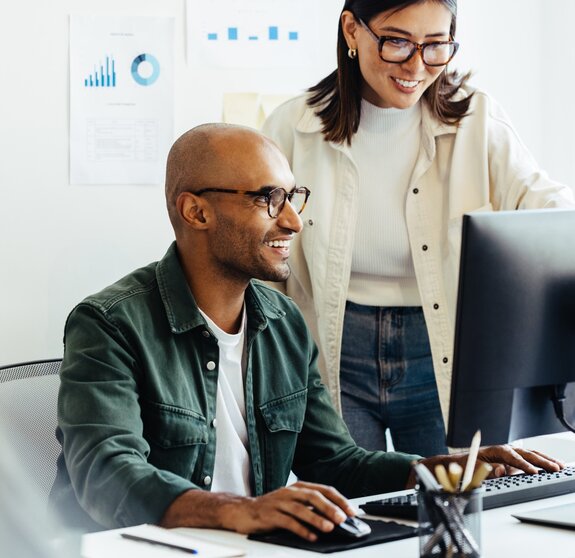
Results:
x,y
274,198
397,50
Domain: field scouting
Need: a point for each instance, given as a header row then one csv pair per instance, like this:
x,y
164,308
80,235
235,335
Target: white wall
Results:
x,y
557,84
501,44
59,243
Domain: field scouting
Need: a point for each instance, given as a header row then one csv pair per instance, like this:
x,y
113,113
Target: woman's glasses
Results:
x,y
397,50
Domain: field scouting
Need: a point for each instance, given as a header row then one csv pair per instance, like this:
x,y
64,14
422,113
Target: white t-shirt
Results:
x,y
232,463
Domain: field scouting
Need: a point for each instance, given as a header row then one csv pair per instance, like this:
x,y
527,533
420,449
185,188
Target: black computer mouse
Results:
x,y
351,528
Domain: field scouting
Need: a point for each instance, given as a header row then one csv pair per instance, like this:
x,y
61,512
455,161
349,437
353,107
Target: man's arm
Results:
x,y
99,410
295,508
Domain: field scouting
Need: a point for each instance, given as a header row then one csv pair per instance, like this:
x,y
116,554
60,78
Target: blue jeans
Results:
x,y
387,380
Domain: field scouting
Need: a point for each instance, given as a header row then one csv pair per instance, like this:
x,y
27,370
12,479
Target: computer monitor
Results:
x,y
515,325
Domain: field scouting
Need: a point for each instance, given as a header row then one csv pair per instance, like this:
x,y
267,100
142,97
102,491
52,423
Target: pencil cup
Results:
x,y
450,523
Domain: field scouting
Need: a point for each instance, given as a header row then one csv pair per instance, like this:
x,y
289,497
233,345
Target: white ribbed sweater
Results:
x,y
385,149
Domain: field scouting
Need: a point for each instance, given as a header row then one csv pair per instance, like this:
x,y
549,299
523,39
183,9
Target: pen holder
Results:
x,y
450,523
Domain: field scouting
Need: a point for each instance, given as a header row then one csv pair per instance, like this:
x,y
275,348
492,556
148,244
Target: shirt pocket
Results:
x,y
177,437
285,413
283,419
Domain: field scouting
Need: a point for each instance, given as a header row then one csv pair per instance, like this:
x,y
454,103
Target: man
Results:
x,y
189,391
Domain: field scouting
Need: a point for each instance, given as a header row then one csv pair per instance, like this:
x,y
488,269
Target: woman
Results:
x,y
396,149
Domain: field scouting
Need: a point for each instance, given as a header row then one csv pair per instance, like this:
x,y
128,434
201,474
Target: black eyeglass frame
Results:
x,y
380,40
263,194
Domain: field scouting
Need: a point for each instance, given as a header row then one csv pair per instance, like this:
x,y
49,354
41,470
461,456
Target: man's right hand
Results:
x,y
298,508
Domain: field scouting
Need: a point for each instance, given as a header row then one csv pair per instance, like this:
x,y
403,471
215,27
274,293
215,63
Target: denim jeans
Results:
x,y
387,380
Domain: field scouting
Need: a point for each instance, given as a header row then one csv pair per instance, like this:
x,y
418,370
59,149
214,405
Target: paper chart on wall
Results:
x,y
121,98
252,33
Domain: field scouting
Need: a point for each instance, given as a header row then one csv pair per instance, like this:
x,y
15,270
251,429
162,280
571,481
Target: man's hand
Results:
x,y
506,460
296,508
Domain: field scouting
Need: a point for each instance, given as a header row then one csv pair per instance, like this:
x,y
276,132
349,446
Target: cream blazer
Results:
x,y
480,165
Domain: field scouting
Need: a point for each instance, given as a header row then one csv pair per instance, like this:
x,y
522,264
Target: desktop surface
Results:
x,y
502,535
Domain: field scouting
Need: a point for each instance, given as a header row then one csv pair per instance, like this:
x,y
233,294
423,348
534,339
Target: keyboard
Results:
x,y
499,492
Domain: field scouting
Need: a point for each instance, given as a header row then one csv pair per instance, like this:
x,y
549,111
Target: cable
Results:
x,y
558,398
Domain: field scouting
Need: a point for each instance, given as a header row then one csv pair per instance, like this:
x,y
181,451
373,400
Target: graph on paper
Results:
x,y
251,33
121,92
104,74
271,33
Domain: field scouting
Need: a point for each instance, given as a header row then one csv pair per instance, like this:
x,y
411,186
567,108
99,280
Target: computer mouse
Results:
x,y
351,528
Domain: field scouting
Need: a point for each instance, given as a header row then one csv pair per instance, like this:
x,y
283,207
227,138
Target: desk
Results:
x,y
502,537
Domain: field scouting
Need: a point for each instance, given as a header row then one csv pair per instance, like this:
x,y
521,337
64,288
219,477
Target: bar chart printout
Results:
x,y
104,74
272,34
252,33
121,91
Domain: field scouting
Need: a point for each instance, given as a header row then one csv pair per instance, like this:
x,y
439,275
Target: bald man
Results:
x,y
190,390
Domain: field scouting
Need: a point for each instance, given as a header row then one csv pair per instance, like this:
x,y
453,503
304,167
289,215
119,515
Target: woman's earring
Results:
x,y
352,53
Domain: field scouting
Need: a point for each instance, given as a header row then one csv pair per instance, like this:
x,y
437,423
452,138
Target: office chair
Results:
x,y
28,414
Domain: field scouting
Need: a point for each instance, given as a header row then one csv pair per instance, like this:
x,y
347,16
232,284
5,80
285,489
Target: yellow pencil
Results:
x,y
455,470
483,469
443,478
471,459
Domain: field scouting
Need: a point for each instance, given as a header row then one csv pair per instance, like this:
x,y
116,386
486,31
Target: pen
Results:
x,y
139,538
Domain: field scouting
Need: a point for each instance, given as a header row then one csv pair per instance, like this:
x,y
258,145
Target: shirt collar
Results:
x,y
181,308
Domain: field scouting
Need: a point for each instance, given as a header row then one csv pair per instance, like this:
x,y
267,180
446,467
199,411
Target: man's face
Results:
x,y
245,241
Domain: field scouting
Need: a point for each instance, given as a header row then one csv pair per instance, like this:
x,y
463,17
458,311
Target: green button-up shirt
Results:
x,y
138,399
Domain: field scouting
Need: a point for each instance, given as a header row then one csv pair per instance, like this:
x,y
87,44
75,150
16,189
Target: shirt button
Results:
x,y
424,247
211,365
206,333
436,306
445,360
214,423
207,480
416,190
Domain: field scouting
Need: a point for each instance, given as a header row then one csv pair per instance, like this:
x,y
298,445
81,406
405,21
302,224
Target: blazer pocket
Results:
x,y
172,427
286,413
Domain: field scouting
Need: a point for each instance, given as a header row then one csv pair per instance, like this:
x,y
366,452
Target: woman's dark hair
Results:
x,y
337,97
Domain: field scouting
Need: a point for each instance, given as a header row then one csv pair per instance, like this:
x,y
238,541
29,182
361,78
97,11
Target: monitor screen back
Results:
x,y
515,324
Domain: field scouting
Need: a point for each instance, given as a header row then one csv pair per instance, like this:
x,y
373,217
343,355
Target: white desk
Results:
x,y
502,537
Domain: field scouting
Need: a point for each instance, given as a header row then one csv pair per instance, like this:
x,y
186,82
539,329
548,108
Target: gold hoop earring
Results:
x,y
352,53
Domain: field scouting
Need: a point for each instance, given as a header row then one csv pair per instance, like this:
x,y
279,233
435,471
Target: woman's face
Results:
x,y
390,85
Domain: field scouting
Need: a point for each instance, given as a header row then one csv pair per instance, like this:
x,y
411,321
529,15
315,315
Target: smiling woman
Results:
x,y
412,47
396,147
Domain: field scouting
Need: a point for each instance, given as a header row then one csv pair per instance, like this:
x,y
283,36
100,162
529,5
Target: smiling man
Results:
x,y
190,390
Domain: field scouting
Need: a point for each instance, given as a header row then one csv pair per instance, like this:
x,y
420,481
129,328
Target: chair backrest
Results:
x,y
28,412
